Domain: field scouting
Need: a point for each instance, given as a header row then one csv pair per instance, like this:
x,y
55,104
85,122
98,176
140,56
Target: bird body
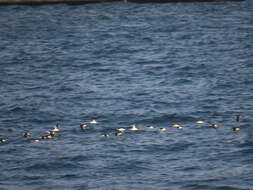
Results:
x,y
200,122
236,129
56,128
120,129
215,126
82,126
151,127
134,128
162,129
93,122
238,117
175,125
105,135
3,140
26,134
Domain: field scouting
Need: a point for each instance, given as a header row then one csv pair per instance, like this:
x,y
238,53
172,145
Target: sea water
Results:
x,y
124,64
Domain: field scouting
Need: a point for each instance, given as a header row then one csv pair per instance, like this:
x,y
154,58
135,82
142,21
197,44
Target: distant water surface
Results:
x,y
148,64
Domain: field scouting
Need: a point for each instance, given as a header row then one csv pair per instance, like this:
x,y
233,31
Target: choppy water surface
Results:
x,y
148,64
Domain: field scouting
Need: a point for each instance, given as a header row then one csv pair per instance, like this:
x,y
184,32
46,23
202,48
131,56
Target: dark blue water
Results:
x,y
149,64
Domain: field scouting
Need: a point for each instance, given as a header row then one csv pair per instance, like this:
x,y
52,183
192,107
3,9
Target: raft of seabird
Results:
x,y
52,133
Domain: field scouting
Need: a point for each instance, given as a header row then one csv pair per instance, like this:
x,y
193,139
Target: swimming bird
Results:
x,y
134,128
105,135
200,122
26,134
3,140
47,137
93,122
120,130
119,133
50,136
175,125
51,133
151,126
162,129
236,129
215,126
238,117
83,126
43,137
34,140
56,128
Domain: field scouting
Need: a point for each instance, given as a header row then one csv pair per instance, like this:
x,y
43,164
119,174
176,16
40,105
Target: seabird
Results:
x,y
151,126
119,133
175,125
238,117
200,122
93,122
105,135
83,126
51,133
215,126
50,136
133,128
3,140
236,129
162,129
26,134
34,140
120,129
47,137
56,128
